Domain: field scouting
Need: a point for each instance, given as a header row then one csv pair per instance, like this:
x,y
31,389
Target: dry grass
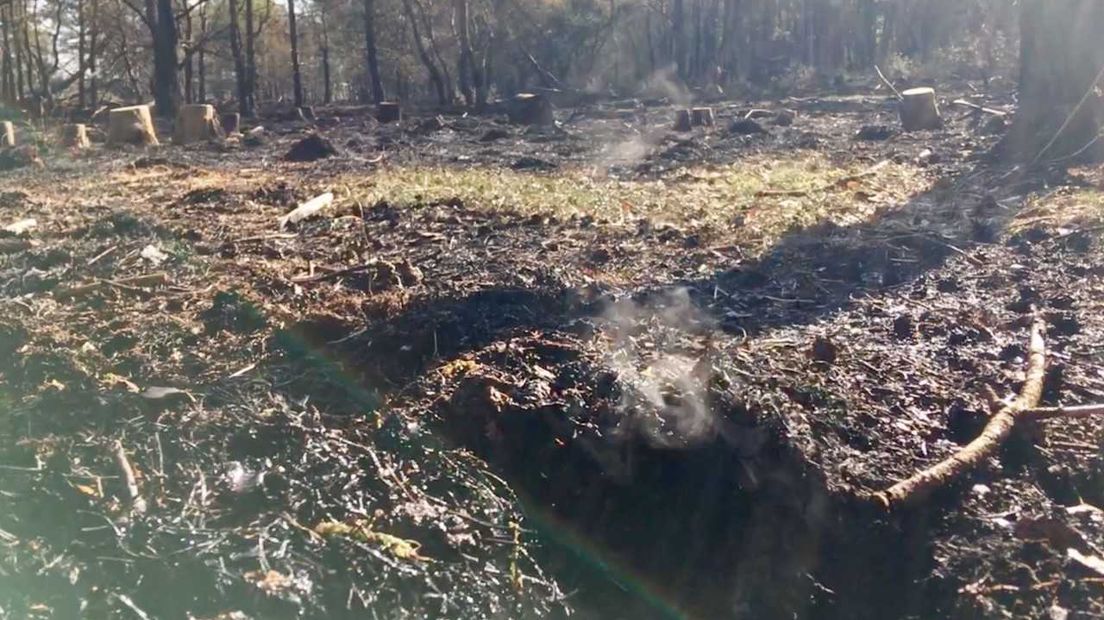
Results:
x,y
1067,208
726,198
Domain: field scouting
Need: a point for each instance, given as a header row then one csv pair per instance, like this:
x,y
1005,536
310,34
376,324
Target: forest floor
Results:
x,y
597,370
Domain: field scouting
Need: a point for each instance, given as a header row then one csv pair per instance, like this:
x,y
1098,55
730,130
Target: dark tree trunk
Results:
x,y
1061,65
324,53
7,61
166,87
189,61
82,94
241,77
201,56
248,94
371,53
93,50
296,75
465,77
423,54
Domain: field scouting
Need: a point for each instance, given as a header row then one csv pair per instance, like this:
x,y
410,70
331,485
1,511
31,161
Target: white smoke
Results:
x,y
664,83
659,351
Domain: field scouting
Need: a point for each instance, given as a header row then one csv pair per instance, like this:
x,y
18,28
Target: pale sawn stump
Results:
x,y
919,110
196,123
131,125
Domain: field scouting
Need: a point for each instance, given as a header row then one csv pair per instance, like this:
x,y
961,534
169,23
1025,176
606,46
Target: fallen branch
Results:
x,y
979,108
134,495
1000,426
893,88
133,284
1080,411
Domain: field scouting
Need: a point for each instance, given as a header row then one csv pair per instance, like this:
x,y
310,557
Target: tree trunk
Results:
x,y
82,95
189,60
6,64
248,94
201,59
241,77
1061,65
371,53
93,84
423,54
166,88
464,69
324,53
296,75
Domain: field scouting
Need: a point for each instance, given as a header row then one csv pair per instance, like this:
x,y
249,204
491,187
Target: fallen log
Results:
x,y
996,431
307,210
979,108
1079,411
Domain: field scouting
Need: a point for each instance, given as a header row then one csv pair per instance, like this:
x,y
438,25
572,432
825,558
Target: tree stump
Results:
x,y
131,125
75,136
919,110
231,123
531,109
683,120
701,117
7,133
388,112
196,123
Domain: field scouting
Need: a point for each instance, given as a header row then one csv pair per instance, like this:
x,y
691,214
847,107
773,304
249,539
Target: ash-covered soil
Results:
x,y
459,394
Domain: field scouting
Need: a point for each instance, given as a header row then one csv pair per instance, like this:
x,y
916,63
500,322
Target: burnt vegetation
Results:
x,y
414,309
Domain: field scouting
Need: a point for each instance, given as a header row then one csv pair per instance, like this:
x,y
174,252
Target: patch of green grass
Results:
x,y
722,197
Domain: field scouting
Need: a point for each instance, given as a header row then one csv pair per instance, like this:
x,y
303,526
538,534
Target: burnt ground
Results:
x,y
595,370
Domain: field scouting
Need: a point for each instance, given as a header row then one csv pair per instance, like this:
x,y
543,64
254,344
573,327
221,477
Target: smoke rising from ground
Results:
x,y
658,351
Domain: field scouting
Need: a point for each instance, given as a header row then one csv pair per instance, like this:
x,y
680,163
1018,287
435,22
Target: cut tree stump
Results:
x,y
7,133
919,110
131,125
388,112
196,123
683,120
531,109
75,136
701,117
231,123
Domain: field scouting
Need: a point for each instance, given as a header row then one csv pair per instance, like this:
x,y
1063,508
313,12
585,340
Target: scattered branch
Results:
x,y
1000,426
896,93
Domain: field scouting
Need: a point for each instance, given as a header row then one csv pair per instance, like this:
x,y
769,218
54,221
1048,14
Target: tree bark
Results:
x,y
423,54
240,71
82,94
324,54
371,53
166,87
296,75
1061,65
